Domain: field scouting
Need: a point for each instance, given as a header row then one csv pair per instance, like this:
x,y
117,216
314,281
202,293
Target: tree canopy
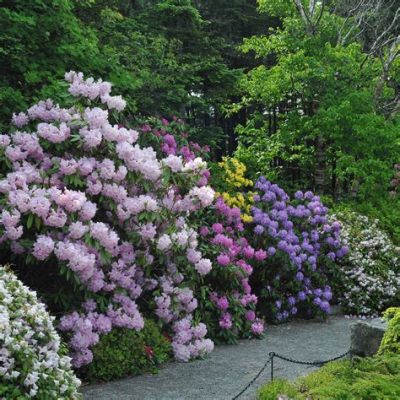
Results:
x,y
309,90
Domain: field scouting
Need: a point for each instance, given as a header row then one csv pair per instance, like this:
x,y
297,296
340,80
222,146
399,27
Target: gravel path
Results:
x,y
229,368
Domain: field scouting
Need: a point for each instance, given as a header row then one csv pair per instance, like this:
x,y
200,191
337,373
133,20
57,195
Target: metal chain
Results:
x,y
272,355
316,363
253,380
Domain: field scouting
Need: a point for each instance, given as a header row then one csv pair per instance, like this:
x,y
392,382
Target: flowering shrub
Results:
x,y
369,280
220,228
91,198
300,244
227,301
230,179
33,363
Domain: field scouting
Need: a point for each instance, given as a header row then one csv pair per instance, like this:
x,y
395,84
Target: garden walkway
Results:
x,y
229,368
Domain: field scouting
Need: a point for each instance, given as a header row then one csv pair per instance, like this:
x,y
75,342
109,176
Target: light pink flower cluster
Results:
x,y
94,89
85,194
175,305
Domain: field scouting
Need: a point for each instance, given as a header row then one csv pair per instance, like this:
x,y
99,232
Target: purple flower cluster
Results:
x,y
177,148
298,237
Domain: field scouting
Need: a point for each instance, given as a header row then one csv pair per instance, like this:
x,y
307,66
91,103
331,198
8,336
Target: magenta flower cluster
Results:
x,y
83,194
300,243
232,297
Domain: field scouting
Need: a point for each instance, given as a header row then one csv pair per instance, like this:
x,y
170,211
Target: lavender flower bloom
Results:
x,y
298,195
291,300
299,276
301,296
226,321
259,229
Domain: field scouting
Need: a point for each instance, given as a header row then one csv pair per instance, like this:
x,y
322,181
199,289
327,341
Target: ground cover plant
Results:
x,y
360,378
363,379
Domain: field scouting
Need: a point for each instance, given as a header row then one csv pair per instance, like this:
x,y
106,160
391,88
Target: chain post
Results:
x,y
271,357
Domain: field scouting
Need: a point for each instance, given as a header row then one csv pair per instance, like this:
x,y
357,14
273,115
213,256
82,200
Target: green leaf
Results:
x,y
29,221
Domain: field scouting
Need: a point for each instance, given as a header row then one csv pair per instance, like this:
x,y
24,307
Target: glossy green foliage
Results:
x,y
124,352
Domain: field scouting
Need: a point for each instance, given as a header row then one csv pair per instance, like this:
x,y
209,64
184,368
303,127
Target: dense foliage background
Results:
x,y
311,95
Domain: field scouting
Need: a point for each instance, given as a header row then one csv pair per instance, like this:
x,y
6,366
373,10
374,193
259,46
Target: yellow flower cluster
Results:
x,y
234,175
234,171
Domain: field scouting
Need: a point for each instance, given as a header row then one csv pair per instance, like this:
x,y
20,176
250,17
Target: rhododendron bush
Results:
x,y
88,197
368,280
227,301
301,244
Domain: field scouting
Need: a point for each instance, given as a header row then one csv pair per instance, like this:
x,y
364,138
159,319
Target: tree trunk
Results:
x,y
320,165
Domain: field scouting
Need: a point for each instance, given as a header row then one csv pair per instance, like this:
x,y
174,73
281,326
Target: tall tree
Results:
x,y
39,40
314,120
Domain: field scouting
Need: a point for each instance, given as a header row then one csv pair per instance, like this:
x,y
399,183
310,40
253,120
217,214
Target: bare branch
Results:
x,y
321,12
350,13
308,15
380,39
393,52
311,7
302,11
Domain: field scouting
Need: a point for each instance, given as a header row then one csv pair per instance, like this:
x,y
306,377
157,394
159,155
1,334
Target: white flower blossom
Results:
x,y
29,342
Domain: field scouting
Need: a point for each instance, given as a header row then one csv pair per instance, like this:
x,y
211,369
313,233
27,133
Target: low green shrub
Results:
x,y
124,352
374,378
391,339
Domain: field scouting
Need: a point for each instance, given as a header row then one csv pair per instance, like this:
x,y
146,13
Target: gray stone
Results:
x,y
230,368
366,337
